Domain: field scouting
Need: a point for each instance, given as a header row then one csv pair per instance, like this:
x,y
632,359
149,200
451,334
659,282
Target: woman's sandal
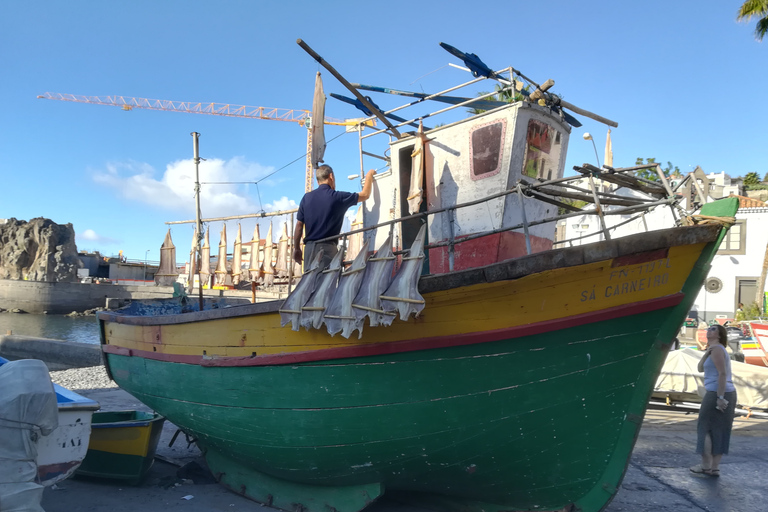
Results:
x,y
712,472
701,470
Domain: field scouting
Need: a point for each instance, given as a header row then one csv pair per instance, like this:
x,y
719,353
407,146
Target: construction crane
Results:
x,y
302,117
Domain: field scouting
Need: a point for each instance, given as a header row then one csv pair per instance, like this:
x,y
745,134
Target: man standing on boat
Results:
x,y
321,213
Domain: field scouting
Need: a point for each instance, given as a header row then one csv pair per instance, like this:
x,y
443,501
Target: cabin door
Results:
x,y
410,228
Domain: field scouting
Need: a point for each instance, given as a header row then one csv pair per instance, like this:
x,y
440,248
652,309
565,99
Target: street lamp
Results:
x,y
587,136
146,255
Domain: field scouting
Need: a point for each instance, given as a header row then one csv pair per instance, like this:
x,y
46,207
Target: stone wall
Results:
x,y
62,298
38,250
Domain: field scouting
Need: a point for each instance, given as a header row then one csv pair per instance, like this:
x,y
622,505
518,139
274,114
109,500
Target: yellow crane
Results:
x,y
302,117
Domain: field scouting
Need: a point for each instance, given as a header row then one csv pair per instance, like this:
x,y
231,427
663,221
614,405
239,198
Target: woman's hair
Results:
x,y
722,335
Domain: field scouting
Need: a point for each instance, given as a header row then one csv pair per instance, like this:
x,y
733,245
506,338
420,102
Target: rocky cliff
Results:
x,y
38,250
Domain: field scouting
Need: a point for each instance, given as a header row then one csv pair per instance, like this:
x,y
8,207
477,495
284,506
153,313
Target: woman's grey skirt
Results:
x,y
715,423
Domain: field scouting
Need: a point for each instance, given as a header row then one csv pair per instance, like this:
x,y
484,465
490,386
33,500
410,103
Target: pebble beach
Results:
x,y
79,379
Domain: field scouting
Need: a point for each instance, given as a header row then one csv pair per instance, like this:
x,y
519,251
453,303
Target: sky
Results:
x,y
684,80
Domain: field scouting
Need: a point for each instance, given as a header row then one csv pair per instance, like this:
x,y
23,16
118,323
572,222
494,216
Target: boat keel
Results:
x,y
290,496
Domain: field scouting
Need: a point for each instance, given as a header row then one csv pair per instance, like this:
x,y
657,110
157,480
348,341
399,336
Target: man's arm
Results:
x,y
297,232
367,187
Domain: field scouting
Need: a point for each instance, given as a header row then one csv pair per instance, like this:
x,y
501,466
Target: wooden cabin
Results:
x,y
466,161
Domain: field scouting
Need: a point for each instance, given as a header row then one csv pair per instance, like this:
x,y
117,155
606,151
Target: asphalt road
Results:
x,y
657,479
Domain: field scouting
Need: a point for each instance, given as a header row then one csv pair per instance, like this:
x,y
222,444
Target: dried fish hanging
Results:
x,y
269,271
254,263
312,312
281,263
403,294
318,126
167,274
377,278
192,269
237,257
221,263
291,308
418,162
339,316
205,261
354,242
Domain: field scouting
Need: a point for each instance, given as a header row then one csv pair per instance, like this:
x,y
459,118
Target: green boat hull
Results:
x,y
530,422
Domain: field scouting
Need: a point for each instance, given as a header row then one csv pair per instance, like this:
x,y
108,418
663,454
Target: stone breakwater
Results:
x,y
58,355
38,250
63,298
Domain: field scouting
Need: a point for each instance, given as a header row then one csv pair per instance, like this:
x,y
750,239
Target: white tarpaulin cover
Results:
x,y
28,409
680,375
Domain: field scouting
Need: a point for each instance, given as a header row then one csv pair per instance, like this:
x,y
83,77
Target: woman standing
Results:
x,y
718,405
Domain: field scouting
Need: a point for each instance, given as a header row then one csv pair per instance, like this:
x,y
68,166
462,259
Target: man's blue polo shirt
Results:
x,y
322,211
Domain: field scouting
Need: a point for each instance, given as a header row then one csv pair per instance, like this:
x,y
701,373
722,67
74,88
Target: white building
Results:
x,y
737,266
722,185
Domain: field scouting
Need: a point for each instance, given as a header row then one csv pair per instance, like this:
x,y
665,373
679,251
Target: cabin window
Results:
x,y
486,148
542,155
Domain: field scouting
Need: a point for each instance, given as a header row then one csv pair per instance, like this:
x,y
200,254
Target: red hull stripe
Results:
x,y
410,345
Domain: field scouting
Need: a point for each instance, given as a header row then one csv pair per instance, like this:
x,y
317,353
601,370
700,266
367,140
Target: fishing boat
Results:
x,y
122,445
60,452
476,366
755,347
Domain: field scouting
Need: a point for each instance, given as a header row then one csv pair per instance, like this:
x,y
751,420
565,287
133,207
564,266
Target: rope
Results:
x,y
725,222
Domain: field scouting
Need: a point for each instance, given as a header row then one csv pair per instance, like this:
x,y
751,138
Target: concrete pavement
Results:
x,y
657,479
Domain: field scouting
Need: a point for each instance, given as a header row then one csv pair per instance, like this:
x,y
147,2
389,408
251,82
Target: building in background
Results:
x,y
737,267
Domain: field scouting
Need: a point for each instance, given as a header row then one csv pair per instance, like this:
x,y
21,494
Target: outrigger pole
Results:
x,y
198,224
349,86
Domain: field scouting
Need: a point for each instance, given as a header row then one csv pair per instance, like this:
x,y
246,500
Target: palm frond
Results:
x,y
752,8
761,29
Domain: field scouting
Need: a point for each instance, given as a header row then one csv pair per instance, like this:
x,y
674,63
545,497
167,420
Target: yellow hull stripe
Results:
x,y
540,297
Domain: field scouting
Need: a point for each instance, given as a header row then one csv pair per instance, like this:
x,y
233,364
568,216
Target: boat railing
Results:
x,y
555,192
550,191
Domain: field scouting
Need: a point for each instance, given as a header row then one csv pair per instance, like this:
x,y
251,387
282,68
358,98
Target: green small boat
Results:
x,y
122,445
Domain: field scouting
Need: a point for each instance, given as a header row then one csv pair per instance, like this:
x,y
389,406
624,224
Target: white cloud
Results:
x,y
91,236
281,204
175,190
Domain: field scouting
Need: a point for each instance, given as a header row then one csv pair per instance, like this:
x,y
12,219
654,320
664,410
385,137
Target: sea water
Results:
x,y
83,329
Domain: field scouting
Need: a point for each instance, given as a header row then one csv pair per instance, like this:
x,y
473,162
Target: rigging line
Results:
x,y
296,160
258,194
422,76
268,175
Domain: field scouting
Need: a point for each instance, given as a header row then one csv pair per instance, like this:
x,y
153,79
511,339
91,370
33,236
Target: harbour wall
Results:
x,y
62,298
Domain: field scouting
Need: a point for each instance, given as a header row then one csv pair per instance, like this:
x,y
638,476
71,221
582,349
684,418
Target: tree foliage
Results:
x,y
750,312
650,174
757,9
751,178
502,93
